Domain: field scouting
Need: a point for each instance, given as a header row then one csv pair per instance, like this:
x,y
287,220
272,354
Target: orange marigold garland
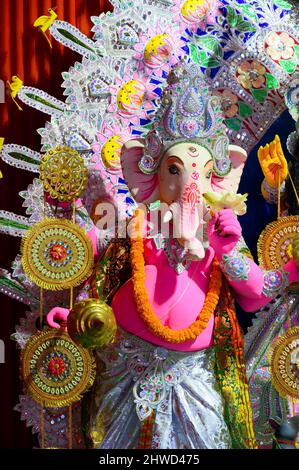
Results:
x,y
144,307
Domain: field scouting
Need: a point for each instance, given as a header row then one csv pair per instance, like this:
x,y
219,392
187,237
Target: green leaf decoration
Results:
x,y
296,48
283,4
74,39
259,94
21,157
248,11
244,26
289,66
211,44
193,50
233,123
236,21
232,17
210,63
272,82
5,222
245,110
202,58
41,100
24,158
4,282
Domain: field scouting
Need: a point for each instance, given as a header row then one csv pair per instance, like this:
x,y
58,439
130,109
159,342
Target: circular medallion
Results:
x,y
57,254
63,173
275,242
284,364
55,370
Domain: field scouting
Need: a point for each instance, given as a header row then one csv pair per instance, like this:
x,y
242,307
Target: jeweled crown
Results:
x,y
188,112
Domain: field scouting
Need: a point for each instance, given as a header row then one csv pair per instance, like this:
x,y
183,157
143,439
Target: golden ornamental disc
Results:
x,y
63,173
284,364
275,241
57,254
55,370
92,323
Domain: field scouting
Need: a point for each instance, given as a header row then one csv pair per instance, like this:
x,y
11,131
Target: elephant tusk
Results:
x,y
167,216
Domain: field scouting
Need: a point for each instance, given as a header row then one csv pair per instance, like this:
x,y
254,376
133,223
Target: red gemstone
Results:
x,y
56,366
58,252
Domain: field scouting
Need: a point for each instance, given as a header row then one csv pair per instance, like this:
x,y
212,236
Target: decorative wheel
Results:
x,y
57,254
284,363
56,371
63,173
275,242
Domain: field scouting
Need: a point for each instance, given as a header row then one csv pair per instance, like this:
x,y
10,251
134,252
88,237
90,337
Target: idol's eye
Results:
x,y
209,174
173,170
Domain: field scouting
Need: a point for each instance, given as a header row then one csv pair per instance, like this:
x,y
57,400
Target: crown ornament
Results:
x,y
188,113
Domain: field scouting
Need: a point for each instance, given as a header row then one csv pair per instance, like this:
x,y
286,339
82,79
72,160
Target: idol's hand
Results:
x,y
224,231
273,162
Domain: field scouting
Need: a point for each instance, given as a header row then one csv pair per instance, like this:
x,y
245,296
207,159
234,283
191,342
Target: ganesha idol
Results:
x,y
174,376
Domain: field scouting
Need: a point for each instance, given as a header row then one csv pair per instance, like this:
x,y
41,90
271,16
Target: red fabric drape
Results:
x,y
25,52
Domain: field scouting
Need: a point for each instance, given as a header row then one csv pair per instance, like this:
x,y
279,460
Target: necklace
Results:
x,y
143,304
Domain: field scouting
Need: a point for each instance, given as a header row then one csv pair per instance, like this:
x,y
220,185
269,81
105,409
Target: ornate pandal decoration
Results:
x,y
56,255
63,173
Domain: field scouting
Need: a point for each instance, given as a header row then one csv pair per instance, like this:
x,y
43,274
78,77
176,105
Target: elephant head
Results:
x,y
184,174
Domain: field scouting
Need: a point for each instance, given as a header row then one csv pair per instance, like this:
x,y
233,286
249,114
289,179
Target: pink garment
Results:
x,y
176,299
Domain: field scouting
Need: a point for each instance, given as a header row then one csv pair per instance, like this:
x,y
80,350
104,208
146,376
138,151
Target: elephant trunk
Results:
x,y
186,215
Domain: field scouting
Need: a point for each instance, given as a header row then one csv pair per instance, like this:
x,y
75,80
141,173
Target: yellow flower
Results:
x,y
219,201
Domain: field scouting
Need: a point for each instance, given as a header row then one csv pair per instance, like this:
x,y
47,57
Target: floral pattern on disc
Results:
x,y
275,242
55,370
63,173
57,254
284,364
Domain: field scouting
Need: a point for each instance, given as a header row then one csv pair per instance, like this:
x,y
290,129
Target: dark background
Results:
x,y
24,52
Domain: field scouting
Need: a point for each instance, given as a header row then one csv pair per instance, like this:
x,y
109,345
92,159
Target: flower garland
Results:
x,y
144,307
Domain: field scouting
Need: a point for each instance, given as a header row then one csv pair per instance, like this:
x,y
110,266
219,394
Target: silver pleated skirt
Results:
x,y
138,378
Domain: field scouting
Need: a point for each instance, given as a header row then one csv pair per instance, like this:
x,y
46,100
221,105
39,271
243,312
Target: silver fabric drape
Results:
x,y
138,378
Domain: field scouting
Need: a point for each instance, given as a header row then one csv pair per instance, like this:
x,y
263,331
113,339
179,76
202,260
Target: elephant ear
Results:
x,y
231,181
143,187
